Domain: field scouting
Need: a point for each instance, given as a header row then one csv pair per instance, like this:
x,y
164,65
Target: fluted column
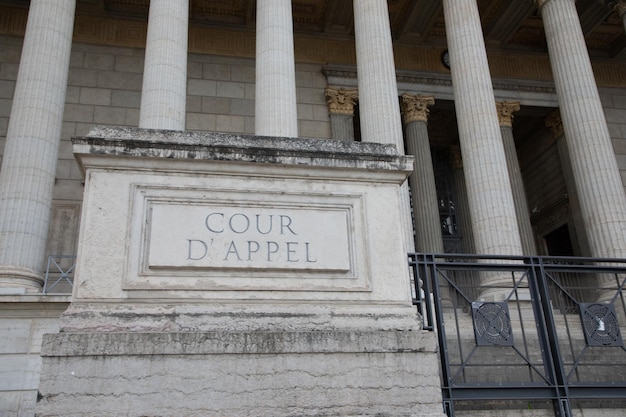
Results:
x,y
422,181
505,116
596,174
461,205
33,137
379,108
463,220
341,103
555,124
275,103
164,91
488,187
378,92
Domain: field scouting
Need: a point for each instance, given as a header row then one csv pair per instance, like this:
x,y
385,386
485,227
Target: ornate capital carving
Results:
x,y
341,100
505,112
415,107
555,123
455,157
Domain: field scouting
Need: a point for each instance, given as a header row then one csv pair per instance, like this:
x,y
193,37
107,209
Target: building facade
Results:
x,y
515,113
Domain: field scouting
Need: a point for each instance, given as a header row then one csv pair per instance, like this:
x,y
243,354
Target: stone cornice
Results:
x,y
415,107
350,73
555,123
341,100
506,110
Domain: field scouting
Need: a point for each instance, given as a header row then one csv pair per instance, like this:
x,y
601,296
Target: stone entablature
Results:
x,y
221,41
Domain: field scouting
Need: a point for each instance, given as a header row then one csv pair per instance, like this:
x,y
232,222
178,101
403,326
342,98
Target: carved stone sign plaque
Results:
x,y
252,237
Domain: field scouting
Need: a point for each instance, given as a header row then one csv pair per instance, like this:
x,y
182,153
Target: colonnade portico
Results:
x,y
595,170
492,205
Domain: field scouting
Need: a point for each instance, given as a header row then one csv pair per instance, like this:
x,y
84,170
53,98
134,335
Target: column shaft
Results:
x,y
578,233
33,137
164,90
341,103
461,204
489,190
505,114
428,236
378,93
275,104
594,167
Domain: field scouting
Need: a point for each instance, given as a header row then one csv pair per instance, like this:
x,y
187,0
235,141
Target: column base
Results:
x,y
18,280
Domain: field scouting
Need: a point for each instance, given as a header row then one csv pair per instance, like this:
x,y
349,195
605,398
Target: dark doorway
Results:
x,y
559,242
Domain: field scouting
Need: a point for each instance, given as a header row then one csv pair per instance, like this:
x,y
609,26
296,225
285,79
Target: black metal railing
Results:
x,y
525,331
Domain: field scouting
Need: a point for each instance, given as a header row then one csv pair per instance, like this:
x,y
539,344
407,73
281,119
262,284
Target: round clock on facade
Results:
x,y
445,59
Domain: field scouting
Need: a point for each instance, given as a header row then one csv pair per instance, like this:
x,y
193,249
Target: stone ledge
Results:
x,y
35,298
251,342
210,146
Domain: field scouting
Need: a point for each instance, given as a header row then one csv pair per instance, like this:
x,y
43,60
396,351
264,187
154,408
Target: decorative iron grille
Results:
x,y
522,331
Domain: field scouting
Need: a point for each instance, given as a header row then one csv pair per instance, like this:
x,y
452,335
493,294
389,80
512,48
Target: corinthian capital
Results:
x,y
505,111
415,107
555,123
341,100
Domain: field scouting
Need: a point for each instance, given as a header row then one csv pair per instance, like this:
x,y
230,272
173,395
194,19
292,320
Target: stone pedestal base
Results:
x,y
225,275
255,373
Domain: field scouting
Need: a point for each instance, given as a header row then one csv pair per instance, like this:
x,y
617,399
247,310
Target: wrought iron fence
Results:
x,y
59,274
526,331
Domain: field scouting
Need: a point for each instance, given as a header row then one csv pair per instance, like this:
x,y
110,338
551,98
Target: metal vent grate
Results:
x,y
600,325
492,324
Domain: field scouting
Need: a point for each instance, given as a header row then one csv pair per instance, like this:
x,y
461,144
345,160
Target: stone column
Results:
x,y
505,116
488,187
164,91
594,167
579,238
620,8
422,181
275,104
378,92
379,107
341,103
462,207
33,137
463,220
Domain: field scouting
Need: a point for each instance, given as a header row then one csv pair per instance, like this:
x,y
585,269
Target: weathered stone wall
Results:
x,y
23,322
241,374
